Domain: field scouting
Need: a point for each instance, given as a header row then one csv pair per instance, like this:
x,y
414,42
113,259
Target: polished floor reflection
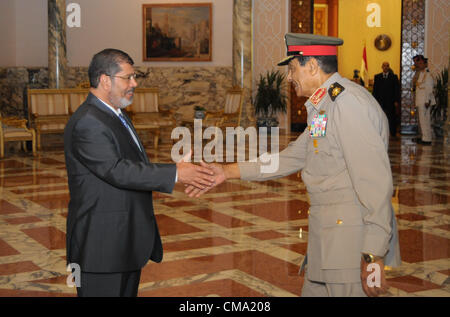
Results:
x,y
241,239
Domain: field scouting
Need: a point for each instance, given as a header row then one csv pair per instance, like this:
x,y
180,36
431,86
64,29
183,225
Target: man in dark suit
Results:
x,y
111,226
386,90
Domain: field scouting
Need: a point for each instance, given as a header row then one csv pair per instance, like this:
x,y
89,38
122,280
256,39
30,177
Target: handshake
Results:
x,y
198,179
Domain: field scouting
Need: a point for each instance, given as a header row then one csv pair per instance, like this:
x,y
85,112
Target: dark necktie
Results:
x,y
126,125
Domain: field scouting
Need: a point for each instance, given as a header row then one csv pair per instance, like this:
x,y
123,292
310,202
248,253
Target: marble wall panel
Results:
x,y
180,88
183,88
13,83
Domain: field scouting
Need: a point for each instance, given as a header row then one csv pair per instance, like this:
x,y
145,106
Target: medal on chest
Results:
x,y
318,126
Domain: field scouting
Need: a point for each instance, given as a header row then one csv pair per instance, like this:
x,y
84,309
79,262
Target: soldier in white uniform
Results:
x,y
345,167
424,98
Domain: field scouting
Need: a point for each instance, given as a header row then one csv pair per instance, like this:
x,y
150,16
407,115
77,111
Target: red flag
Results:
x,y
364,74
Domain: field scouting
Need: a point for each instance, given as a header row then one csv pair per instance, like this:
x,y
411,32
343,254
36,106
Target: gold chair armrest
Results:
x,y
53,118
228,116
217,114
15,122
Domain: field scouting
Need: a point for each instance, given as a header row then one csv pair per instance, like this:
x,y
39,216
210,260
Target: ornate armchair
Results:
x,y
146,114
230,115
48,111
76,97
15,129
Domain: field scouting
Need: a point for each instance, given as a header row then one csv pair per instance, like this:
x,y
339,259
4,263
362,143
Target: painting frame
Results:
x,y
168,42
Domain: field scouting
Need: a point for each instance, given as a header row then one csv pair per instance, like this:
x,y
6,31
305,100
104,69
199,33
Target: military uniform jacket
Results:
x,y
348,177
424,89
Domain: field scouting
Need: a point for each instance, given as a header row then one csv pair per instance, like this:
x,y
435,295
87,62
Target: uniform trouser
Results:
x,y
392,119
318,289
122,284
425,122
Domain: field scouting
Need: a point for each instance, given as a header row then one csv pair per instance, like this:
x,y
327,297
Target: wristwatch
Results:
x,y
370,258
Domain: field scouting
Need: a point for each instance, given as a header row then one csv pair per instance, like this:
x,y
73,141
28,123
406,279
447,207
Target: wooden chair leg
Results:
x,y
39,141
2,148
24,146
33,143
156,139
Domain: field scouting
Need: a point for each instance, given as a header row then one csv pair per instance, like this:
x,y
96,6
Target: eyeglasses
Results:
x,y
129,77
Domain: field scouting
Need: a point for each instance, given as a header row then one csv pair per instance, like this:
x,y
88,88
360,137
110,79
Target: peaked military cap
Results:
x,y
303,44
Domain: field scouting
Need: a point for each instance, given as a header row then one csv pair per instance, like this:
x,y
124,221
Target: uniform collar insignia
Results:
x,y
317,96
335,90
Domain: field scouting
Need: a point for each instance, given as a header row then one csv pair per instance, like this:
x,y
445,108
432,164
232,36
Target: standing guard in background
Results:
x,y
424,98
386,90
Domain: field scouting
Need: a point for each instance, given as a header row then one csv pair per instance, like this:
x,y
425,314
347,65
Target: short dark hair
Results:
x,y
106,62
420,58
328,63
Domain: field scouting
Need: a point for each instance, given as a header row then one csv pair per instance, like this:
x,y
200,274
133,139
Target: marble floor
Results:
x,y
241,239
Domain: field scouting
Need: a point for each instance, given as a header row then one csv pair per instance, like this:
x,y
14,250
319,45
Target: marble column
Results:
x,y
57,60
447,125
242,54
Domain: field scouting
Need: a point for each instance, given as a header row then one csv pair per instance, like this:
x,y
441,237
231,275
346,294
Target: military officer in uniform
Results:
x,y
345,166
424,97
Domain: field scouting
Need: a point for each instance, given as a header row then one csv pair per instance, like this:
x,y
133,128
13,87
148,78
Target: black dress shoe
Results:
x,y
425,142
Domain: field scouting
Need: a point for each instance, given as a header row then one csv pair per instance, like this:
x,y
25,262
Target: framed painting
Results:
x,y
177,32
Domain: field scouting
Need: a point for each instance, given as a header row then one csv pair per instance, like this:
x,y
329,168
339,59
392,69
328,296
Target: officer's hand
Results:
x,y
193,175
370,278
219,178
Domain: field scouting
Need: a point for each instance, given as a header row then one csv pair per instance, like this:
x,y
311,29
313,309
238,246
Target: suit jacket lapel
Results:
x,y
92,99
143,153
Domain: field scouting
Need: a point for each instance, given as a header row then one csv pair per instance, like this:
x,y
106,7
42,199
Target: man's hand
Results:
x,y
373,290
219,178
199,176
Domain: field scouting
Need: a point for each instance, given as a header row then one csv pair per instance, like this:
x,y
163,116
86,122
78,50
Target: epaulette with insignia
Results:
x,y
335,90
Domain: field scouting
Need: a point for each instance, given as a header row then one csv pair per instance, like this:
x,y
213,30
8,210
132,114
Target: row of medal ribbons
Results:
x,y
318,126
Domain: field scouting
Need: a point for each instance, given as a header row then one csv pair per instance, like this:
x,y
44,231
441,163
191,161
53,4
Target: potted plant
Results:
x,y
270,99
439,111
199,112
